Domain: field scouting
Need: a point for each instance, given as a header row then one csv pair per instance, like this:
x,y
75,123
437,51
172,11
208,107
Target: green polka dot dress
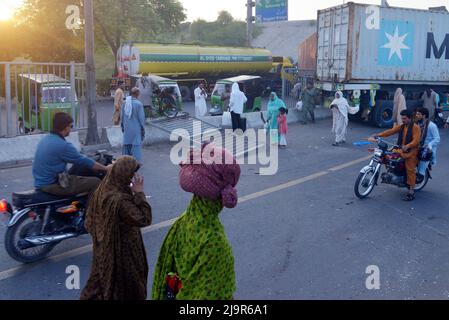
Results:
x,y
196,248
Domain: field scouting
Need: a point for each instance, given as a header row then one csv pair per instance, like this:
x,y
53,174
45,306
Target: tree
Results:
x,y
224,31
42,26
120,20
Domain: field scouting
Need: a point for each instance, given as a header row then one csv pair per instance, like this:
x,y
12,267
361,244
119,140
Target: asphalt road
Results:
x,y
300,234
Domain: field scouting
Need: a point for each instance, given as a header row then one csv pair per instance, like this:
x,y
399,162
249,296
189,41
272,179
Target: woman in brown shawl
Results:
x,y
116,213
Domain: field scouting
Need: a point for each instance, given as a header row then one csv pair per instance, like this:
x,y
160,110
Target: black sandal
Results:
x,y
409,197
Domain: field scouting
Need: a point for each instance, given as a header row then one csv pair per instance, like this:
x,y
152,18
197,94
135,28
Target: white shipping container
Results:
x,y
359,43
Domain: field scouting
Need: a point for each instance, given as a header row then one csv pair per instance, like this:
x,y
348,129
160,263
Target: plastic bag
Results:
x,y
226,120
299,106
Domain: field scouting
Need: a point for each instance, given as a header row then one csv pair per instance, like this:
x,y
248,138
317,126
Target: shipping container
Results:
x,y
359,43
368,51
308,53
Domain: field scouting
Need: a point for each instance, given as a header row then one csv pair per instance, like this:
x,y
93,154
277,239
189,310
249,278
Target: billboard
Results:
x,y
271,10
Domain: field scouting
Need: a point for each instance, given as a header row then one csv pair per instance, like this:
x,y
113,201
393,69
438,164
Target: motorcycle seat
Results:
x,y
35,197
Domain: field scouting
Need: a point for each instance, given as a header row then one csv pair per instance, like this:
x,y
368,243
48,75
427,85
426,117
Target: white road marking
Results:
x,y
88,248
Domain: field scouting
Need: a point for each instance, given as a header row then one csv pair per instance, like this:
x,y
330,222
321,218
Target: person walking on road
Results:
x,y
296,91
429,99
236,104
274,105
133,125
283,127
117,212
430,139
340,111
308,97
409,141
399,106
118,101
200,101
196,260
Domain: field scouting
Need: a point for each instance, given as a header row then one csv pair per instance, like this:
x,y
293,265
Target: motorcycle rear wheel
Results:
x,y
363,178
422,185
22,229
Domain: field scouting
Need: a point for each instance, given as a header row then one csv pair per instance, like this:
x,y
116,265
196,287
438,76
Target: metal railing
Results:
x,y
31,93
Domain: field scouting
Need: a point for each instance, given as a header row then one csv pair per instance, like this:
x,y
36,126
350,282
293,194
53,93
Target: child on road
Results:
x,y
283,127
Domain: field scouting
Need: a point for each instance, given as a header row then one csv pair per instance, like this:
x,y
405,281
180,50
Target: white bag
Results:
x,y
226,120
354,110
299,106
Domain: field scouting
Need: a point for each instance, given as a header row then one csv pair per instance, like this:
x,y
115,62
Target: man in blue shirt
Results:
x,y
52,156
430,138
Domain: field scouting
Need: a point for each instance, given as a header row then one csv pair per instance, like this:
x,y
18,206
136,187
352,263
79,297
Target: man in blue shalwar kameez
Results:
x,y
133,125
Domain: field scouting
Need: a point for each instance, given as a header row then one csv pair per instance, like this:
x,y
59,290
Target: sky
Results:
x,y
298,9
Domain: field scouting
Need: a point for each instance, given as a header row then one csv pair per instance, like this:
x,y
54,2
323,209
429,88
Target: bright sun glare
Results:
x,y
8,8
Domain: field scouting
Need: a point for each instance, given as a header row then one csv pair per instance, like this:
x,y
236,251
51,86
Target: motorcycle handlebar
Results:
x,y
390,145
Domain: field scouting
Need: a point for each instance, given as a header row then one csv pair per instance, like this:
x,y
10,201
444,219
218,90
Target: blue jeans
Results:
x,y
133,151
422,167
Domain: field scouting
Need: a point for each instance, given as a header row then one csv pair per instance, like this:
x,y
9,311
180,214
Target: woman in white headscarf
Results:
x,y
236,104
399,106
340,110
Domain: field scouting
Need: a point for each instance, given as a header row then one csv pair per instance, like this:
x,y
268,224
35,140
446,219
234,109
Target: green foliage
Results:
x,y
224,31
43,36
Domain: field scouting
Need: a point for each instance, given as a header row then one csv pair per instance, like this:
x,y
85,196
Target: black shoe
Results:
x,y
409,197
335,144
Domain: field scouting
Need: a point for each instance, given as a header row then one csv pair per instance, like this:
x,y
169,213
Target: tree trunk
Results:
x,y
91,94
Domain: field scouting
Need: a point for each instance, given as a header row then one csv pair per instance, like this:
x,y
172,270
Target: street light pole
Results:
x,y
249,22
92,131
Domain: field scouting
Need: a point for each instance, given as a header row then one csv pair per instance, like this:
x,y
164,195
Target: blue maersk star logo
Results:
x,y
396,43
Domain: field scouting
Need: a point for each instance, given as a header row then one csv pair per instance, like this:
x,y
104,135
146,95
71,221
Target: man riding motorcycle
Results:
x,y
430,138
52,156
409,140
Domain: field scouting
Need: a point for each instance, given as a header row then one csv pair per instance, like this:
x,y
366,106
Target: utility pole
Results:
x,y
91,94
249,21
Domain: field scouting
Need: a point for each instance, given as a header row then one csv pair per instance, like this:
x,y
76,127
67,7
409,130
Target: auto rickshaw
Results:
x,y
41,96
252,86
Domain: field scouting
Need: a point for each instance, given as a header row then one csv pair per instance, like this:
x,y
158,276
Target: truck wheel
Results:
x,y
383,117
185,93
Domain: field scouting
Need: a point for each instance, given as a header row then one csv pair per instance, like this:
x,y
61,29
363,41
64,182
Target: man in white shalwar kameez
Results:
x,y
200,101
340,110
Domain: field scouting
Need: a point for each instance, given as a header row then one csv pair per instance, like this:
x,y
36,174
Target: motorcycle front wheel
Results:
x,y
25,227
362,187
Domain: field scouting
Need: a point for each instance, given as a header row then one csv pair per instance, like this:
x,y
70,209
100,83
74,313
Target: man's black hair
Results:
x,y
423,111
407,113
61,121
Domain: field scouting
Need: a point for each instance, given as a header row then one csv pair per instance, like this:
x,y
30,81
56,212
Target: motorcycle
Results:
x,y
37,221
395,174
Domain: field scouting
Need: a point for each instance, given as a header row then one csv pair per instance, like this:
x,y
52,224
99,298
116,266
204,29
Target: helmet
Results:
x,y
425,154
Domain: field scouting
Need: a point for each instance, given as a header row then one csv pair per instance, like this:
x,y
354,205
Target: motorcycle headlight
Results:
x,y
378,153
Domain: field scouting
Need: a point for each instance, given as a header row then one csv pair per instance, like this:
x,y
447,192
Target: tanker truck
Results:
x,y
190,64
368,51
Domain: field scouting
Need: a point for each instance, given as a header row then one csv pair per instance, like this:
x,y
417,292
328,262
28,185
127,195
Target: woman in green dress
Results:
x,y
196,260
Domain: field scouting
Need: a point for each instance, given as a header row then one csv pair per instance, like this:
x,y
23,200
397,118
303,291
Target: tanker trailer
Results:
x,y
190,64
